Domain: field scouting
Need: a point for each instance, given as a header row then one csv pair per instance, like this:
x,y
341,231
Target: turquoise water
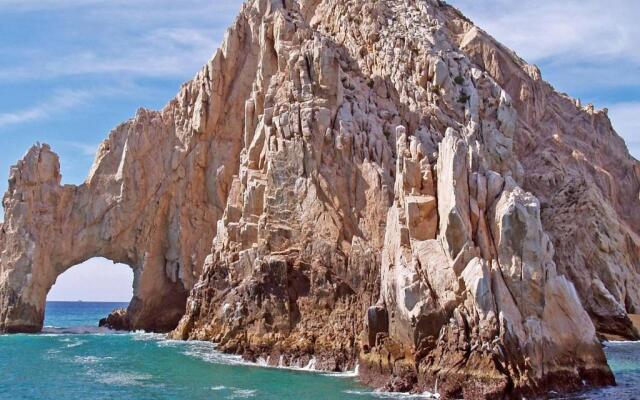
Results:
x,y
624,359
75,360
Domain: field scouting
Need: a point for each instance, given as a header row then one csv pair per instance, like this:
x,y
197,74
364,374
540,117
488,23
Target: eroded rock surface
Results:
x,y
383,184
152,198
586,180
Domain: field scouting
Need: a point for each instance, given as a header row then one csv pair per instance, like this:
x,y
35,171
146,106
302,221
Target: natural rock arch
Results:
x,y
51,228
151,201
158,185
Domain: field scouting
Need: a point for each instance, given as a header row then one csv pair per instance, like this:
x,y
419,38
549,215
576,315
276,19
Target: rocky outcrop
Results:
x,y
587,182
117,320
366,172
152,198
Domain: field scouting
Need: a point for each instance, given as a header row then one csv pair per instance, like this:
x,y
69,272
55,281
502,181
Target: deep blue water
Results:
x,y
75,360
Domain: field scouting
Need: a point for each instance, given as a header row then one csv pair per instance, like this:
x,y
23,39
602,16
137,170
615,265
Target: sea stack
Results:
x,y
366,182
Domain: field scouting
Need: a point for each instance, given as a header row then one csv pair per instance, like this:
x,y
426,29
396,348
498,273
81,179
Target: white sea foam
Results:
x,y
170,343
76,330
207,352
235,393
621,342
75,343
311,366
148,336
393,395
52,354
242,394
122,378
90,359
261,362
345,374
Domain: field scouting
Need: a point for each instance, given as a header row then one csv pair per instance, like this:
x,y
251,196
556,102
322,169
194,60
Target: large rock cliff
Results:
x,y
383,184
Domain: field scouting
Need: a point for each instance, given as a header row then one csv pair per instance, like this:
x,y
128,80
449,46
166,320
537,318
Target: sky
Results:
x,y
71,70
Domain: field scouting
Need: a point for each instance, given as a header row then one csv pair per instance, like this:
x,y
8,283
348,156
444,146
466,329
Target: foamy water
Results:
x,y
85,362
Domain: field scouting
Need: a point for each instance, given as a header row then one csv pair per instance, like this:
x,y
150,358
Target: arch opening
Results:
x,y
118,213
92,292
95,280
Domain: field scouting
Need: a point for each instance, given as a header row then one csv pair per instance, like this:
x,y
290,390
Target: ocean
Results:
x,y
74,360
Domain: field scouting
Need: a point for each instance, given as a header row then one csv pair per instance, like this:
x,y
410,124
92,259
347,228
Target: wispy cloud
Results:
x,y
86,149
159,53
153,7
29,5
61,101
65,100
567,30
583,46
141,39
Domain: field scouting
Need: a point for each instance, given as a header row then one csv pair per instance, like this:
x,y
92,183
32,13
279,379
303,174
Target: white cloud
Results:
x,y
64,100
586,45
568,30
626,120
141,39
61,101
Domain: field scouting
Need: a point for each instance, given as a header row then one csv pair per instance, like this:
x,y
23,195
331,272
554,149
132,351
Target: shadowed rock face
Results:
x,y
366,181
117,320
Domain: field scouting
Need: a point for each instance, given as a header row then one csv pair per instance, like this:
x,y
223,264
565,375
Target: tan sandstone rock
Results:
x,y
382,183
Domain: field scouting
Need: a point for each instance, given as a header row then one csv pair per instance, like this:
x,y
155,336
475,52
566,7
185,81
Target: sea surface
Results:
x,y
73,359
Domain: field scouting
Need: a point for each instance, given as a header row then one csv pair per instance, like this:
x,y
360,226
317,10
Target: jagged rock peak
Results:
x,y
372,182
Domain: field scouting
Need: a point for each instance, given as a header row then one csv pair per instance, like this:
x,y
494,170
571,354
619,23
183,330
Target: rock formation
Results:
x,y
117,320
383,184
157,187
585,179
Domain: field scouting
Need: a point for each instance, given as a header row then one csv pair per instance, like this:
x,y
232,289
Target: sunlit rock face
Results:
x,y
365,182
152,198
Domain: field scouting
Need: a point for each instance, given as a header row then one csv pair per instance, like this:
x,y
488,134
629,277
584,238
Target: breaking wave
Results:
x,y
235,393
122,378
242,394
76,330
90,359
392,395
345,374
621,342
147,336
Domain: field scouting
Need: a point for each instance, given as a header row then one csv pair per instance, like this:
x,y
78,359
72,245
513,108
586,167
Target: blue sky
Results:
x,y
71,70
